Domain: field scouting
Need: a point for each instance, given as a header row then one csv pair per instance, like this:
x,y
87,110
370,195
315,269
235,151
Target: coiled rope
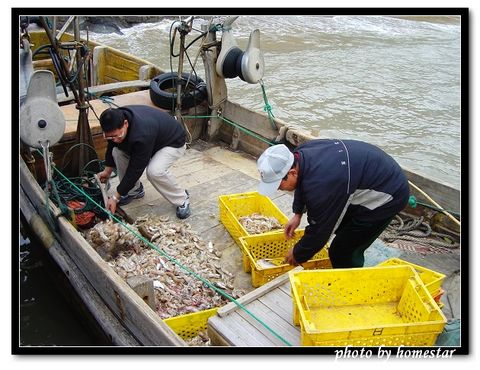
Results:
x,y
417,230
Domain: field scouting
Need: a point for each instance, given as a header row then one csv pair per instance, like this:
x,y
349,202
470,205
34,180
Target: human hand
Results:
x,y
290,259
292,225
105,174
112,205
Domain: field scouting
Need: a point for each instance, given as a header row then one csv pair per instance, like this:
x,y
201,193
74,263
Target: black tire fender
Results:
x,y
163,90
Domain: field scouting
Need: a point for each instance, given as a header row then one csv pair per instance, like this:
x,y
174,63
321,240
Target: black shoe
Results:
x,y
125,199
183,211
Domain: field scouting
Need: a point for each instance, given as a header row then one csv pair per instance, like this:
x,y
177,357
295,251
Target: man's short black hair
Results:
x,y
294,164
112,119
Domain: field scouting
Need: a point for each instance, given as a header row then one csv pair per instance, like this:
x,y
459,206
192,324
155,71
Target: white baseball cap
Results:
x,y
273,165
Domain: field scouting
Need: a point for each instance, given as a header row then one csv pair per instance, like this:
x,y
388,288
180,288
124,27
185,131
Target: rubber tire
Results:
x,y
167,100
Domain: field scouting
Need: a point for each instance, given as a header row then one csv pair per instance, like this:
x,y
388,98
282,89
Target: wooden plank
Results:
x,y
251,120
107,88
239,161
43,64
286,288
237,331
98,60
60,33
280,302
265,316
133,312
255,294
216,339
444,194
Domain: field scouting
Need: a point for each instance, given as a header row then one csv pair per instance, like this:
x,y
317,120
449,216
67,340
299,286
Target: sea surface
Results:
x,y
47,318
391,81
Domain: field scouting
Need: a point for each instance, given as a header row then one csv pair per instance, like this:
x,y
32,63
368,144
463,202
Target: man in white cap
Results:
x,y
350,190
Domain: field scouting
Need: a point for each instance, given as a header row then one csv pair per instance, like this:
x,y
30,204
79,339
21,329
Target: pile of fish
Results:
x,y
177,291
109,239
257,223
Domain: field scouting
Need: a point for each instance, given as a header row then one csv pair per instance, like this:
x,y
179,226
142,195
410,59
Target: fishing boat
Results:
x,y
225,138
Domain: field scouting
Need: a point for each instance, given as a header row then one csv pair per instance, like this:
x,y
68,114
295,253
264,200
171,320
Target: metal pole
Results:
x,y
84,135
81,92
54,43
178,109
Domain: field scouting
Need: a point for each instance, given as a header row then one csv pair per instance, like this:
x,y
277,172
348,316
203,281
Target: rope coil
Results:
x,y
418,231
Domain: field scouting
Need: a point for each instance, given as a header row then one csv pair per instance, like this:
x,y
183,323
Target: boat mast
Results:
x,y
84,141
183,28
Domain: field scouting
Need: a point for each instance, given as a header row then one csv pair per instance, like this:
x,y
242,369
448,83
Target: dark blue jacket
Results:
x,y
149,130
339,177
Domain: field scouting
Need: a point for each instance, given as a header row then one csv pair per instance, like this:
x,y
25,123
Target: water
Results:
x,y
394,82
46,318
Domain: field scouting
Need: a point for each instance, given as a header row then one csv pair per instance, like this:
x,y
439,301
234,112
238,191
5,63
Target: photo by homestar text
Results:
x,y
385,353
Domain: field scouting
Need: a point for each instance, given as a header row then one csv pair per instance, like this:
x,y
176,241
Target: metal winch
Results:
x,y
42,123
232,62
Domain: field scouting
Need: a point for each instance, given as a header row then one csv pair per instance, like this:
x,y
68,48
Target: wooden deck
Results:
x,y
272,304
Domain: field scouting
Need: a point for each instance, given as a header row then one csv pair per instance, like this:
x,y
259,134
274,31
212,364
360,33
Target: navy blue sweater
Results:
x,y
337,176
149,130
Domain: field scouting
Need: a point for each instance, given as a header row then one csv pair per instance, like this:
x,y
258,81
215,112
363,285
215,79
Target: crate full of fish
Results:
x,y
264,255
192,327
250,213
370,306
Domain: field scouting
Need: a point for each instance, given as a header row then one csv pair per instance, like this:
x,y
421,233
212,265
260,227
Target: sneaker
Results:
x,y
183,211
139,193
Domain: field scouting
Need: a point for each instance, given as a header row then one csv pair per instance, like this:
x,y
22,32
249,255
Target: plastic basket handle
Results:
x,y
305,304
240,196
422,293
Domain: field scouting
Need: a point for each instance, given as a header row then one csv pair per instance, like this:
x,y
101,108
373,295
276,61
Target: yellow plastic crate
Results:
x,y
372,306
188,326
273,248
433,280
234,206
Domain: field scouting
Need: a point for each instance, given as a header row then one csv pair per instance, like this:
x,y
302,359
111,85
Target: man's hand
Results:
x,y
290,259
105,174
112,205
292,225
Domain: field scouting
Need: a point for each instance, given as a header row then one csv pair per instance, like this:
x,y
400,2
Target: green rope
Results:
x,y
173,260
54,190
61,205
247,131
413,202
268,108
216,27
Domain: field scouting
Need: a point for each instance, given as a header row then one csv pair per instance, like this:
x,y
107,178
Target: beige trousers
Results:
x,y
158,172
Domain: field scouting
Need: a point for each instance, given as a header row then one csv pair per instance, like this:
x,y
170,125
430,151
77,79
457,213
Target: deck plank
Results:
x,y
282,301
269,316
266,309
237,331
286,288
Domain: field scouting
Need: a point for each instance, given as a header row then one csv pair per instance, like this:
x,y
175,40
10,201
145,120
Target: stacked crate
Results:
x,y
263,254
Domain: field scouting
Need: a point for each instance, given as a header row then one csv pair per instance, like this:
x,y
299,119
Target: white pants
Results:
x,y
158,172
